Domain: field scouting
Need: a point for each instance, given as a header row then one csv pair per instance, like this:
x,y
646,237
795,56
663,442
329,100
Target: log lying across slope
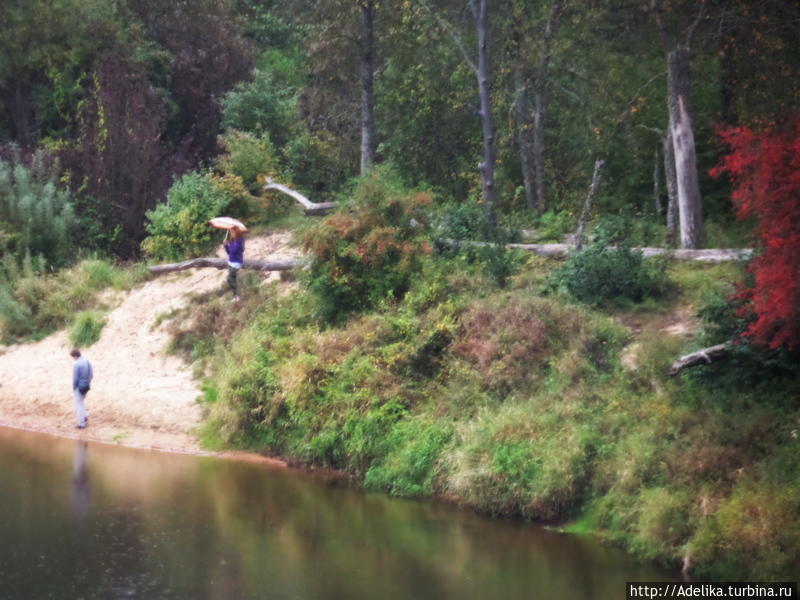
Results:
x,y
559,250
700,357
222,263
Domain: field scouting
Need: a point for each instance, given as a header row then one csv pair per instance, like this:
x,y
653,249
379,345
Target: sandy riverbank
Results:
x,y
141,397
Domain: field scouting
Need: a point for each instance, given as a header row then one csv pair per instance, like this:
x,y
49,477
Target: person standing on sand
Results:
x,y
235,249
81,382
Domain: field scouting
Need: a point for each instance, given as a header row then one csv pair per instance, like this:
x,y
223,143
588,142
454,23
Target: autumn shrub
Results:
x,y
764,167
368,250
179,228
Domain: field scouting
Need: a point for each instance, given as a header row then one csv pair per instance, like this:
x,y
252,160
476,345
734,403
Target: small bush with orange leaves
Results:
x,y
369,249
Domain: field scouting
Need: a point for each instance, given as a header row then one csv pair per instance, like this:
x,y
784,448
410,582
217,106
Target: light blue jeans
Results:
x,y
81,413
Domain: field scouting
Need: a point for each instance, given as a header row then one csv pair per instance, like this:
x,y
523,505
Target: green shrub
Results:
x,y
368,250
178,228
86,328
247,156
466,221
599,275
410,454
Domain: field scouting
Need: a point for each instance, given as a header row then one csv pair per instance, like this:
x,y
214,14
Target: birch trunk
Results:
x,y
689,201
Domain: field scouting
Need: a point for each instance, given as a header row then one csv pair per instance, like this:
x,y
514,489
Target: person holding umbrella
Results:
x,y
234,247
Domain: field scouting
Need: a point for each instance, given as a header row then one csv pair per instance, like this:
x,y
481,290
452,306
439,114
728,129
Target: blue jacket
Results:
x,y
235,250
81,374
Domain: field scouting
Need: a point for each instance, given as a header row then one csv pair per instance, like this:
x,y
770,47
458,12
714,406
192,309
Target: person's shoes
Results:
x,y
80,426
236,298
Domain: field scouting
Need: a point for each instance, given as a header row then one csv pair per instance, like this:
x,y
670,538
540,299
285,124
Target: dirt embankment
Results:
x,y
140,396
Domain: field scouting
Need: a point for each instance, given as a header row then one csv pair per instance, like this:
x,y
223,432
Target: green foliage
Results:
x,y
247,156
33,305
261,107
598,275
179,228
466,221
410,454
86,328
368,250
37,218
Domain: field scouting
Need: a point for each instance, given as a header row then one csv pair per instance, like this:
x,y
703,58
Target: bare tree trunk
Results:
x,y
521,113
23,116
367,80
540,103
587,207
657,181
672,188
689,201
488,164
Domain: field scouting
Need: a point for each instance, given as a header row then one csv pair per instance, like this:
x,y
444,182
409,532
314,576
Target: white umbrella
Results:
x,y
227,223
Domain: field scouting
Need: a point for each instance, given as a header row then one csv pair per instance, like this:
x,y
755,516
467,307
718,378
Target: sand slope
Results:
x,y
140,397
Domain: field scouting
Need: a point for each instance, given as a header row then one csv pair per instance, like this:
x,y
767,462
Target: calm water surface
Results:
x,y
92,521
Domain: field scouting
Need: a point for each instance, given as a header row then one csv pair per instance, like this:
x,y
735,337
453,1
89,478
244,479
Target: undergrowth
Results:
x,y
517,404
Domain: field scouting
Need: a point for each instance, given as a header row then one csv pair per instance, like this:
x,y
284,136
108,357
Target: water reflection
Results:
x,y
80,481
163,526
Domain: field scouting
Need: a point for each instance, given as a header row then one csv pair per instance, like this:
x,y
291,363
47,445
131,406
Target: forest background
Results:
x,y
125,125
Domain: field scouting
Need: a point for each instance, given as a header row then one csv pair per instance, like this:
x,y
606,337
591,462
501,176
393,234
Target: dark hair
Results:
x,y
75,353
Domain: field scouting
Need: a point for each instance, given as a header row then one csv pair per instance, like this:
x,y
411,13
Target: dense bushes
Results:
x,y
599,274
369,249
179,228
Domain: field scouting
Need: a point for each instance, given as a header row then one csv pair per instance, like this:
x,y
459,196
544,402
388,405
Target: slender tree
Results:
x,y
367,79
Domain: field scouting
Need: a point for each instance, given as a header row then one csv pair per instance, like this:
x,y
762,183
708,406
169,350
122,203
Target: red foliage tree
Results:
x,y
765,170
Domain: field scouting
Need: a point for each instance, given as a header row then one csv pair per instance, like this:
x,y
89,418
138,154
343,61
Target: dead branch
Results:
x,y
701,357
311,208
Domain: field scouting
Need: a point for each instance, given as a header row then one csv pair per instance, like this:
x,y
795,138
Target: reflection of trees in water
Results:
x,y
341,540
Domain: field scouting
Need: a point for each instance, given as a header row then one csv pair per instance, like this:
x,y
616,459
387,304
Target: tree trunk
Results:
x,y
524,142
689,201
587,207
23,116
482,73
672,188
702,357
540,103
367,79
657,181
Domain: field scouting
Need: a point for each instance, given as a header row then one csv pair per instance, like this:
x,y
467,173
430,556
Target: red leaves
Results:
x,y
765,170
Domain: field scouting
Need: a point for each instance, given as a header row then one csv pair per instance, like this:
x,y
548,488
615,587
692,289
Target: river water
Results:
x,y
94,521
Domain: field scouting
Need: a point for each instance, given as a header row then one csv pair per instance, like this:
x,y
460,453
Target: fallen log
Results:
x,y
221,263
310,208
706,356
713,255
